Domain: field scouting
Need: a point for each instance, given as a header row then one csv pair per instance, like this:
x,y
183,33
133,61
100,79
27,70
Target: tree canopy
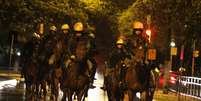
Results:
x,y
169,18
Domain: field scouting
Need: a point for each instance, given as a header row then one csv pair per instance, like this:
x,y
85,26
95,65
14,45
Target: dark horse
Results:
x,y
113,82
48,61
139,77
29,68
75,77
30,78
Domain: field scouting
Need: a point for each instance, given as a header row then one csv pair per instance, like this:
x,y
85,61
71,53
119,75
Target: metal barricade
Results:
x,y
188,86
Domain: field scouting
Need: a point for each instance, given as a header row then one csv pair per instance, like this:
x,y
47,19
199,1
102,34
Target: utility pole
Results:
x,y
11,49
182,56
193,58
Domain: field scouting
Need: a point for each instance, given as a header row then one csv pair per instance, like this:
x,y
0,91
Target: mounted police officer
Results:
x,y
65,37
138,42
49,42
65,31
91,53
78,36
118,53
30,51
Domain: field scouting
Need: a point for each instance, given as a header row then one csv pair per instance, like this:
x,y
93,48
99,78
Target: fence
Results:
x,y
188,86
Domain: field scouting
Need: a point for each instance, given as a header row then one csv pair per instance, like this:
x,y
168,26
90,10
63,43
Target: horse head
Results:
x,y
81,50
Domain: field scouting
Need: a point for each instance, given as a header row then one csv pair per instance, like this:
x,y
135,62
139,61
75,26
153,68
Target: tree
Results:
x,y
169,17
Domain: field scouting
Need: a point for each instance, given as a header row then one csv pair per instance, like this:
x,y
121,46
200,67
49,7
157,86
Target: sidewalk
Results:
x,y
171,96
10,74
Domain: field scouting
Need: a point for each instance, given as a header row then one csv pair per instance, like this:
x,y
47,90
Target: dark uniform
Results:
x,y
90,55
118,53
49,42
84,37
74,40
65,36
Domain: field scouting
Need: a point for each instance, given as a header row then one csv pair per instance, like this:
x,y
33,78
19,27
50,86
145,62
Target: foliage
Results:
x,y
128,16
170,18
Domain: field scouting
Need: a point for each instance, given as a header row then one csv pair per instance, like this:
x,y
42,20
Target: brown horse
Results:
x,y
139,77
76,80
56,74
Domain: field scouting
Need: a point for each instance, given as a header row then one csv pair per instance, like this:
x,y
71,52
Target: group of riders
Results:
x,y
129,68
44,47
52,50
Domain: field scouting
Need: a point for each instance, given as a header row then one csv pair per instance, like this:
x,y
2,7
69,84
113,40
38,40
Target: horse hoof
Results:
x,y
92,86
103,88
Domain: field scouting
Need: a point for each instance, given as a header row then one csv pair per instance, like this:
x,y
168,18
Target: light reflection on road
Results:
x,y
7,84
9,92
97,94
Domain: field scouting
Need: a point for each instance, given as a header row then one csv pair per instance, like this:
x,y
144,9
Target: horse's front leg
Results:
x,y
70,95
81,94
149,94
43,86
64,95
56,88
131,95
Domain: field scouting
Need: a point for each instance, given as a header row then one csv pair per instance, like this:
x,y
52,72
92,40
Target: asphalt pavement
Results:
x,y
13,90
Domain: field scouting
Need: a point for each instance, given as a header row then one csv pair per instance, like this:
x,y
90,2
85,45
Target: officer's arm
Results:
x,y
92,42
70,47
130,47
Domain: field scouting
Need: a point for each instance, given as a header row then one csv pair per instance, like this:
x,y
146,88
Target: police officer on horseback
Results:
x,y
32,47
138,41
79,35
65,28
119,52
30,50
49,42
65,37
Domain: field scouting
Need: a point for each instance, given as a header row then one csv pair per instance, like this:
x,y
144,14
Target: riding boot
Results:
x,y
91,86
91,71
107,71
104,84
122,76
91,79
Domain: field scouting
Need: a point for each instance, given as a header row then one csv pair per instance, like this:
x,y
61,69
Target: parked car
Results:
x,y
173,75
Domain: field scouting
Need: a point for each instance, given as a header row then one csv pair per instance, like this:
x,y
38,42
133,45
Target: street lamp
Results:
x,y
148,33
172,44
173,52
18,53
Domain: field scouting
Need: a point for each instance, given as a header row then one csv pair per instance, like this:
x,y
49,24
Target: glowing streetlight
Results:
x,y
172,44
18,53
148,32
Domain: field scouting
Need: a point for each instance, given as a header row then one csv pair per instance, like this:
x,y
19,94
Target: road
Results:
x,y
12,90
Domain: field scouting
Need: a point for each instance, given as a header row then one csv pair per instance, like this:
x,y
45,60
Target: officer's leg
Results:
x,y
108,68
94,66
92,71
